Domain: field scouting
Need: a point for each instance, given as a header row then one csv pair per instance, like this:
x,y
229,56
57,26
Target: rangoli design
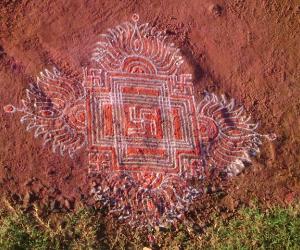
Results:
x,y
135,115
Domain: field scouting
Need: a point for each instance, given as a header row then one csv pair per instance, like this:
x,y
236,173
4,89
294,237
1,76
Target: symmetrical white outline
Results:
x,y
137,115
227,135
54,108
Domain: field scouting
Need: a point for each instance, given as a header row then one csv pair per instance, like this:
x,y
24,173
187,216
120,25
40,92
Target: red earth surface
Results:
x,y
248,50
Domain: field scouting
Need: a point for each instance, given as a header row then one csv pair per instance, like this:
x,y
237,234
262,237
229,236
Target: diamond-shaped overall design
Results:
x,y
136,117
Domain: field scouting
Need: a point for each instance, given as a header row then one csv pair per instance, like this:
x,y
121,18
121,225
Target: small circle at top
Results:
x,y
135,17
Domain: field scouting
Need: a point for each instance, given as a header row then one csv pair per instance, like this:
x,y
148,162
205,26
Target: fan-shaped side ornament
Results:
x,y
54,108
135,114
228,137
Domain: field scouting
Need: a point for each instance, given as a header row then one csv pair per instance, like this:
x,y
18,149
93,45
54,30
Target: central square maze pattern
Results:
x,y
135,115
140,123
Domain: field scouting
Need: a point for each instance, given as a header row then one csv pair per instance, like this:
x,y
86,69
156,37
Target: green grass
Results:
x,y
250,228
277,228
78,230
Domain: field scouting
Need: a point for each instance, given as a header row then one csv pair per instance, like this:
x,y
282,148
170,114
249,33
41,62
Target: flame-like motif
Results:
x,y
120,47
55,109
131,201
137,115
227,135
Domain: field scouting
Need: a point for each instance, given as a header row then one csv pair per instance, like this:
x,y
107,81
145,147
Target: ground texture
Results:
x,y
248,50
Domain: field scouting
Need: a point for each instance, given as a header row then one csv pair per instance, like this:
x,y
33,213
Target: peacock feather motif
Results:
x,y
135,116
54,109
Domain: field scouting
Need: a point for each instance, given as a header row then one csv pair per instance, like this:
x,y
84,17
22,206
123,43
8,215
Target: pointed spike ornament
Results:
x,y
135,117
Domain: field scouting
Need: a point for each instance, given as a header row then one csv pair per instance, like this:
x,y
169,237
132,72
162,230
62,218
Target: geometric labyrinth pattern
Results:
x,y
148,126
135,115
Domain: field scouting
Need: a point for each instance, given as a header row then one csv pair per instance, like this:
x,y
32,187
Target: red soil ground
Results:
x,y
248,50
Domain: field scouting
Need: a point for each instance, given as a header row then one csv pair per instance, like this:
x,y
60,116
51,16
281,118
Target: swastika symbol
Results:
x,y
136,117
143,121
150,125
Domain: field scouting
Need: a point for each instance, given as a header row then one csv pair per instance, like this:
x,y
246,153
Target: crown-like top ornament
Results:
x,y
135,115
